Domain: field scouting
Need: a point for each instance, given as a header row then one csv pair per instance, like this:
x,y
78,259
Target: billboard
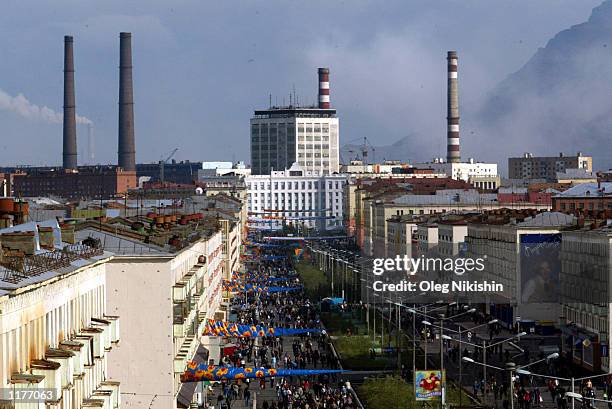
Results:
x,y
540,267
428,384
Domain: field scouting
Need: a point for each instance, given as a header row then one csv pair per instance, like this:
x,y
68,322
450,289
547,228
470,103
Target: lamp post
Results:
x,y
510,366
572,381
441,327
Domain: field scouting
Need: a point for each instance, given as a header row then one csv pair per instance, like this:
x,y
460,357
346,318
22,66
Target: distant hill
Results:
x,y
561,99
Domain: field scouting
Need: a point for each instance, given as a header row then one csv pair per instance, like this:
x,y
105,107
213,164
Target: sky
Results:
x,y
202,67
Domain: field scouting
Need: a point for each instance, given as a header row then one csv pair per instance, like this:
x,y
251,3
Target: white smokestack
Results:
x,y
90,144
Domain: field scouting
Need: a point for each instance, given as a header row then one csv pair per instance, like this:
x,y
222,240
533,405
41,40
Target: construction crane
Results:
x,y
361,151
364,150
162,163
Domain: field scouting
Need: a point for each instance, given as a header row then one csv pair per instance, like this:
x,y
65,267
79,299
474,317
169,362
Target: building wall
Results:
x,y
276,143
536,167
500,246
564,204
165,301
586,260
88,183
47,314
141,291
399,237
296,195
461,170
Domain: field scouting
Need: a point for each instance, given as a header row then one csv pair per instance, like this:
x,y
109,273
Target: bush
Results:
x,y
391,392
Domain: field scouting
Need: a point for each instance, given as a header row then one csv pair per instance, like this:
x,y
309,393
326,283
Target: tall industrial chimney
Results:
x,y
69,159
324,102
127,145
453,153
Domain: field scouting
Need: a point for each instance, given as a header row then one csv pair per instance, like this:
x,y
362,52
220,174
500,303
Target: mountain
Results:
x,y
560,100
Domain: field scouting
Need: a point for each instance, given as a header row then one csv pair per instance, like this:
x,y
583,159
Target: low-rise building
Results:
x,y
461,170
585,196
400,232
295,196
576,176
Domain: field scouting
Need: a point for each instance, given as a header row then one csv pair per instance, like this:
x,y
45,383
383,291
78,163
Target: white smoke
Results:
x,y
20,105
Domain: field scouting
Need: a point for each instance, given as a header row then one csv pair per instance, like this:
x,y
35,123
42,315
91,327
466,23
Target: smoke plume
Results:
x,y
21,106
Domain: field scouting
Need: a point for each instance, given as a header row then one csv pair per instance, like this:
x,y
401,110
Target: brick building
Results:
x,y
585,196
89,182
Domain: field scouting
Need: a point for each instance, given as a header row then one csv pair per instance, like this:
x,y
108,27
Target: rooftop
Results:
x,y
34,253
588,189
295,112
150,234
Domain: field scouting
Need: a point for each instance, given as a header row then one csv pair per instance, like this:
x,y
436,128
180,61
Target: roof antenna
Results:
x,y
270,106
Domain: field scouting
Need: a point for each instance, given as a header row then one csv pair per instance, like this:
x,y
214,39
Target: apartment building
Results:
x,y
447,201
400,232
546,167
586,262
166,279
451,237
56,331
509,241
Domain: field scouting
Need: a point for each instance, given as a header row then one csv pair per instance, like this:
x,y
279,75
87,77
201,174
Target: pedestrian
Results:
x,y
247,397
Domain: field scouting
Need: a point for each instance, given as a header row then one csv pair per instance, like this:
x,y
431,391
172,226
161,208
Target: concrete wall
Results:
x,y
141,292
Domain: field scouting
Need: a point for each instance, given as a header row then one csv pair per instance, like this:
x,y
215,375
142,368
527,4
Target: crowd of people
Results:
x,y
306,351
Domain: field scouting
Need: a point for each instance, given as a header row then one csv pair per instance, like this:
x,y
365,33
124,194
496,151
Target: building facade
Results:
x,y
165,293
307,136
55,331
477,171
546,167
296,196
585,196
91,182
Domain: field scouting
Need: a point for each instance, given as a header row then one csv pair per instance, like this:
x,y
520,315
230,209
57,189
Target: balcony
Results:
x,y
181,327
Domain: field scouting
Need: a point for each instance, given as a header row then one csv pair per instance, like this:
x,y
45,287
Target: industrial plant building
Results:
x,y
308,136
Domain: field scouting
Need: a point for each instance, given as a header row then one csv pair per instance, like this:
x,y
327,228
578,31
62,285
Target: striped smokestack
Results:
x,y
127,145
69,156
324,102
453,153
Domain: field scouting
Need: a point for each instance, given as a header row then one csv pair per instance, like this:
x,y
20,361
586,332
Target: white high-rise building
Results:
x,y
297,197
308,136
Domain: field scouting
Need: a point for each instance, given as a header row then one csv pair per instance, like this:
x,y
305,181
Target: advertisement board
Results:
x,y
428,384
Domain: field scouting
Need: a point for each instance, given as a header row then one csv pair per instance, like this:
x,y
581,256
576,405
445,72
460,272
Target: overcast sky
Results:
x,y
200,67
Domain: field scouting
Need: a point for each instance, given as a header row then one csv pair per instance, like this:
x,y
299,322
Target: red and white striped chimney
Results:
x,y
324,102
453,152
